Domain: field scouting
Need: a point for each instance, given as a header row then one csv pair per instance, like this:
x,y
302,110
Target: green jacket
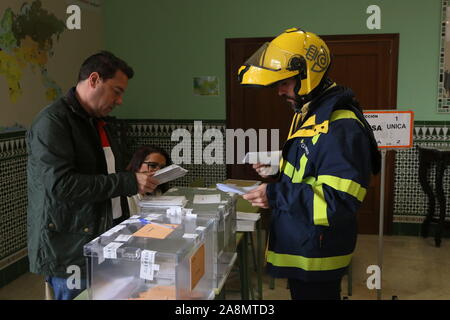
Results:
x,y
69,190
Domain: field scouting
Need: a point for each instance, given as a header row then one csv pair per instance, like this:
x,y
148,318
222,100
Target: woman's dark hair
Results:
x,y
139,157
106,64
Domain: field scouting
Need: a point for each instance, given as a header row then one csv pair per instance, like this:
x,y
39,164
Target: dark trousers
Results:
x,y
301,290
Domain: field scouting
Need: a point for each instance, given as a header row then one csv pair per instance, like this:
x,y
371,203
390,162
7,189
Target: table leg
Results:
x,y
243,268
429,192
440,169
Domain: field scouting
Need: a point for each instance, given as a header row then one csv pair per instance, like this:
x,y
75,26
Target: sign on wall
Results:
x,y
392,129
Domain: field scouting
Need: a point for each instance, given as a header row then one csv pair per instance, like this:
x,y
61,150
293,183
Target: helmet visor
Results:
x,y
270,57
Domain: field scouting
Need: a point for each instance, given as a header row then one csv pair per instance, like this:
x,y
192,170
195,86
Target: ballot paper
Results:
x,y
169,173
228,187
271,158
163,201
266,157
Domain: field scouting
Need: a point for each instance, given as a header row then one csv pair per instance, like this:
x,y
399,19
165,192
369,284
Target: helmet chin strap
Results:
x,y
300,101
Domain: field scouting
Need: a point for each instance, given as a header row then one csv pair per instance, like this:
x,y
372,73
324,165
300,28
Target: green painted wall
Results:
x,y
169,43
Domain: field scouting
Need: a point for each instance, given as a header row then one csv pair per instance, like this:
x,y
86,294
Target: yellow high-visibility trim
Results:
x,y
295,175
288,169
353,188
294,123
344,114
321,127
303,162
320,207
315,138
310,122
346,185
314,130
308,264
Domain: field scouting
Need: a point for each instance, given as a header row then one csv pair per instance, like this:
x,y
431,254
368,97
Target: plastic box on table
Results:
x,y
156,258
224,215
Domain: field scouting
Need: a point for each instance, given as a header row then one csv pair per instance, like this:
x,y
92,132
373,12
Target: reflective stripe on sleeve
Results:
x,y
353,188
345,185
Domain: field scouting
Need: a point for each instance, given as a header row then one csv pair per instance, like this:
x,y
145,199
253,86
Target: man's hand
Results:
x,y
146,183
260,169
257,197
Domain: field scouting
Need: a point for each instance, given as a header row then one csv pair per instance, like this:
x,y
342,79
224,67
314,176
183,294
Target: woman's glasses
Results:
x,y
153,165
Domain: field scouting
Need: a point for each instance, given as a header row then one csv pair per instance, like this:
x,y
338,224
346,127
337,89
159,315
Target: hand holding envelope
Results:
x,y
258,197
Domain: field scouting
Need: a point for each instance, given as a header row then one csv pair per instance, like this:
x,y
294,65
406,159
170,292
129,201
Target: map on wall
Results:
x,y
26,40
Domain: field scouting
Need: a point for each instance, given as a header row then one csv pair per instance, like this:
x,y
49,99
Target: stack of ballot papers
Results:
x,y
246,221
169,173
228,187
163,201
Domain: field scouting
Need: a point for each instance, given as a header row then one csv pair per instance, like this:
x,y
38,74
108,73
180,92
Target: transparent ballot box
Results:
x,y
152,258
220,206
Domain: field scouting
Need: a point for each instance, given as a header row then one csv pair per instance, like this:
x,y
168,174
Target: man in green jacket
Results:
x,y
76,183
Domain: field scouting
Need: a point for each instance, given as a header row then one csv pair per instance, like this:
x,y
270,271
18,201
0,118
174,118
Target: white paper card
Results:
x,y
147,264
153,216
131,221
206,198
190,235
123,238
110,250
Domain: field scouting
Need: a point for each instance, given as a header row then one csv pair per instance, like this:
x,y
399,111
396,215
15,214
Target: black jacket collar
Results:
x,y
71,99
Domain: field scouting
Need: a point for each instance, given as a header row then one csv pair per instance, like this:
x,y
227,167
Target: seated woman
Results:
x,y
148,159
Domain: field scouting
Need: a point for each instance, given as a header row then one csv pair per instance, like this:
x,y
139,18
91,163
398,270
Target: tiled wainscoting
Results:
x,y
13,205
409,207
410,204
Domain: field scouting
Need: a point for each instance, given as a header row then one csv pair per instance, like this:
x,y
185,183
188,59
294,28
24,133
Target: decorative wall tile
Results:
x,y
411,203
443,105
13,194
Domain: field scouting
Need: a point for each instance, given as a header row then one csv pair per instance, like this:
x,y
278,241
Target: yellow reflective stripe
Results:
x,y
310,122
344,114
348,186
288,169
320,207
299,116
308,264
320,216
318,128
303,162
295,175
315,138
321,127
345,185
294,121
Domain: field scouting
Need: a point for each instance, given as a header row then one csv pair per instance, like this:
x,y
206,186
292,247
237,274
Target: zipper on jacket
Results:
x,y
320,240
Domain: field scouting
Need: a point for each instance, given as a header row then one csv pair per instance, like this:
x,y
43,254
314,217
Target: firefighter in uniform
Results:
x,y
325,169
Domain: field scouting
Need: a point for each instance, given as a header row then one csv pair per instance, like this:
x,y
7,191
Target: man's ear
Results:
x,y
94,79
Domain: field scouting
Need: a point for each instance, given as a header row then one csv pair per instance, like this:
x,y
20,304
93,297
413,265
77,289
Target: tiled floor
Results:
x,y
412,269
